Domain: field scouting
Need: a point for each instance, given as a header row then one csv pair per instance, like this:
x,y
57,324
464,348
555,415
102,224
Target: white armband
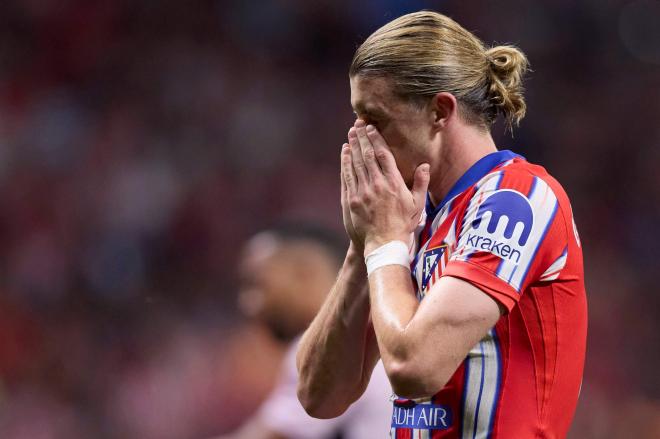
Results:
x,y
392,253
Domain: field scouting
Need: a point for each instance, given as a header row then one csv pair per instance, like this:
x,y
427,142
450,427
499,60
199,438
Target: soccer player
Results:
x,y
285,274
464,273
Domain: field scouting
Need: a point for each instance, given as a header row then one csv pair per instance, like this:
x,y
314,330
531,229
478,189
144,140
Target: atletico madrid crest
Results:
x,y
431,258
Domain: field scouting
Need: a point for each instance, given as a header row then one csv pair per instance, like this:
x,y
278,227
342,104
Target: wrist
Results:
x,y
355,253
392,253
373,243
354,262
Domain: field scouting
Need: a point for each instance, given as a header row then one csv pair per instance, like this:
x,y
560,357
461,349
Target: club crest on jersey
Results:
x,y
502,225
430,262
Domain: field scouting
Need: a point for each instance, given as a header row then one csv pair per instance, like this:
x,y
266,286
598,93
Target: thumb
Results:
x,y
421,183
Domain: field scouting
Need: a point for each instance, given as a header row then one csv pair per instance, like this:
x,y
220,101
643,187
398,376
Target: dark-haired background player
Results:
x,y
285,273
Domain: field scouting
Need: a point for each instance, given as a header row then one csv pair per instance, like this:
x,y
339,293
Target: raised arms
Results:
x,y
421,344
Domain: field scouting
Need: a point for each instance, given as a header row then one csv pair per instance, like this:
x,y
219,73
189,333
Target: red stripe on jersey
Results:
x,y
518,181
403,433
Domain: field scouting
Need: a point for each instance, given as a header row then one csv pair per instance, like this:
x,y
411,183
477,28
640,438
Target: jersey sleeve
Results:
x,y
283,413
510,235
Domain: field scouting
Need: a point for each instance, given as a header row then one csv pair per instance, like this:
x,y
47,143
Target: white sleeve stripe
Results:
x,y
538,245
558,265
548,278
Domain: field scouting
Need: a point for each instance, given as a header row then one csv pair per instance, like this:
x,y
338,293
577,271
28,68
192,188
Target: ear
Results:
x,y
444,108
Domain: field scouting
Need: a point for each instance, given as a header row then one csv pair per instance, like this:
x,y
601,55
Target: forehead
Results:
x,y
372,95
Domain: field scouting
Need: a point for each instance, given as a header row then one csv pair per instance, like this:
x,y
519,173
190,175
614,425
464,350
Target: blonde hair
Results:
x,y
425,53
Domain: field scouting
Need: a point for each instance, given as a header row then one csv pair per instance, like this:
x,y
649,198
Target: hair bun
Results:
x,y
508,66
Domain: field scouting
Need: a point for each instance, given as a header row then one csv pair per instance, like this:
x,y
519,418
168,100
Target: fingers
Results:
x,y
344,189
368,153
420,184
349,180
356,158
382,152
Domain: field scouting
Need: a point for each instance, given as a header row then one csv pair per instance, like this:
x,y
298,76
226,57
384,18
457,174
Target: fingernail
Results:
x,y
359,123
370,128
352,132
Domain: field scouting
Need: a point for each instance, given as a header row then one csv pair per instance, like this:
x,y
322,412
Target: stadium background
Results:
x,y
141,142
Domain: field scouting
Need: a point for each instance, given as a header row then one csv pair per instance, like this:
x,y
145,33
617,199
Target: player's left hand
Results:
x,y
381,206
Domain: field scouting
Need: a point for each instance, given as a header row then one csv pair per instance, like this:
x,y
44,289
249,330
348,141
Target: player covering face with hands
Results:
x,y
464,273
378,207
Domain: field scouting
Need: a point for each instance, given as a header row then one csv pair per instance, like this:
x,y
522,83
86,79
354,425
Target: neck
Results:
x,y
461,148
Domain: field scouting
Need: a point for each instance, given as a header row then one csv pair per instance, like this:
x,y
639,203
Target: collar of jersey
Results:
x,y
476,172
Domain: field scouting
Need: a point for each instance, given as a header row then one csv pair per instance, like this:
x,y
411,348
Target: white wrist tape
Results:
x,y
392,253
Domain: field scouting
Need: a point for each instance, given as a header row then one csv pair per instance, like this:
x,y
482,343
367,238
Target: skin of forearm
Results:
x,y
393,306
406,329
331,354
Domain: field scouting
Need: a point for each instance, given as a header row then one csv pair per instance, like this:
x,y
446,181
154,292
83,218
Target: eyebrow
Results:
x,y
361,109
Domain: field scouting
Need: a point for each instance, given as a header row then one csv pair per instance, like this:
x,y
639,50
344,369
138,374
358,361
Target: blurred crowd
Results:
x,y
143,142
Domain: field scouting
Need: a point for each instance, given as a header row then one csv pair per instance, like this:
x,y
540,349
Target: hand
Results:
x,y
380,206
356,241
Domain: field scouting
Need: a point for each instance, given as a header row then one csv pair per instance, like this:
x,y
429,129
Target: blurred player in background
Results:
x,y
464,272
285,274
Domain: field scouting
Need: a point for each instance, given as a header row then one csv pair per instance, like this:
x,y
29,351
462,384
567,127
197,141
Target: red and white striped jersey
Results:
x,y
507,228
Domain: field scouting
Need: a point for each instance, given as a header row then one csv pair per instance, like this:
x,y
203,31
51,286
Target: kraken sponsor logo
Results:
x,y
502,225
